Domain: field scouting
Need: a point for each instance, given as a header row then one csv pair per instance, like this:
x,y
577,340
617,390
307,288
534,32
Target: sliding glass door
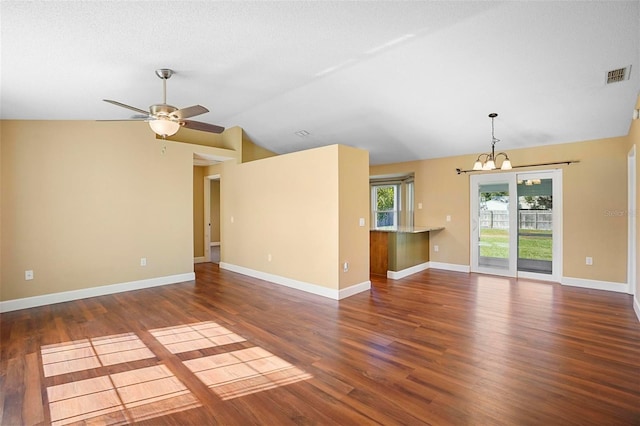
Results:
x,y
493,224
516,224
535,224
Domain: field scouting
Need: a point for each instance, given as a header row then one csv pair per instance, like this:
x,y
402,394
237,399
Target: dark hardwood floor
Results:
x,y
435,348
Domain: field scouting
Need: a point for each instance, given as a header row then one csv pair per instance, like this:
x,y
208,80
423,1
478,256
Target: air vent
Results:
x,y
620,74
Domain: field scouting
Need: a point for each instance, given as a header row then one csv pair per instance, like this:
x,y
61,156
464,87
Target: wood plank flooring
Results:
x,y
434,348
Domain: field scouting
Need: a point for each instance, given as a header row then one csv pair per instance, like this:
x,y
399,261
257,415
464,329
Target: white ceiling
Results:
x,y
404,80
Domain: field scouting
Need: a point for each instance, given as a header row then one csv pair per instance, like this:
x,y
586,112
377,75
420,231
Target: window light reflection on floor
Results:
x,y
245,371
120,398
150,392
85,354
191,337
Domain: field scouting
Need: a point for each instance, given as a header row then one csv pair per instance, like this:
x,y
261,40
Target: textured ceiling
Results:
x,y
404,80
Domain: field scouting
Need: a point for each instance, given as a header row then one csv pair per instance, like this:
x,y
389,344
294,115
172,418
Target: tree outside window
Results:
x,y
385,199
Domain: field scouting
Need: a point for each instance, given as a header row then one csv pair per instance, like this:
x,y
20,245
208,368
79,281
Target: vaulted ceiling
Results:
x,y
404,80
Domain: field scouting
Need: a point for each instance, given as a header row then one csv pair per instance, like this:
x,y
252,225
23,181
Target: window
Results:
x,y
385,205
392,200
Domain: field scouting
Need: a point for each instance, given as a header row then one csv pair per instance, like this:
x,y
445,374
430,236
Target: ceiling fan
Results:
x,y
165,120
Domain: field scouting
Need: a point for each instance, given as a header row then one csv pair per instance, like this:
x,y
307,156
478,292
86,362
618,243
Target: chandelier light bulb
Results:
x,y
489,165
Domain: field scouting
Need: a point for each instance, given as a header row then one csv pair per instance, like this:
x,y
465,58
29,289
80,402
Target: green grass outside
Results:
x,y
495,243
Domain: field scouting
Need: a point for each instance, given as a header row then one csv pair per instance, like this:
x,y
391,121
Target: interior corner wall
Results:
x,y
594,193
83,201
251,151
280,216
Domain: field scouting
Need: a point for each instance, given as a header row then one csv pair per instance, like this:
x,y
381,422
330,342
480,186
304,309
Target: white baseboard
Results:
x,y
636,306
298,285
354,289
201,259
453,267
66,296
595,285
396,275
216,243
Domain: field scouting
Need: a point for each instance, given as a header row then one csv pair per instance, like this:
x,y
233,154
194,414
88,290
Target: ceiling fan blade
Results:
x,y
204,127
128,119
120,104
187,112
135,117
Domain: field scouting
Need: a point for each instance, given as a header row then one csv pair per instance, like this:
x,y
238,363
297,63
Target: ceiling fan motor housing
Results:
x,y
159,110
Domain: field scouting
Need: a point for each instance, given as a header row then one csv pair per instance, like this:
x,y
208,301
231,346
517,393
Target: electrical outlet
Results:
x,y
436,248
28,275
589,260
361,222
448,218
419,206
143,261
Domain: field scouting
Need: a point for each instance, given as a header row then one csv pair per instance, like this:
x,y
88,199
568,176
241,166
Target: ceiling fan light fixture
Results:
x,y
164,127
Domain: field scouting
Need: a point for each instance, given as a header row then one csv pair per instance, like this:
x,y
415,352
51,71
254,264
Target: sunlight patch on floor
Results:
x,y
85,354
150,392
120,398
246,371
191,337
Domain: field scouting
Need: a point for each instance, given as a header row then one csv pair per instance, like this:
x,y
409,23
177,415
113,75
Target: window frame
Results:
x,y
374,203
404,198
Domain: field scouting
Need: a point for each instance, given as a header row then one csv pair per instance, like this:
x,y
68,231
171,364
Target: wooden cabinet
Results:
x,y
398,249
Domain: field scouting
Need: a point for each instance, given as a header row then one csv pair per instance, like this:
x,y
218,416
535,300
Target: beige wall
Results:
x,y
593,191
353,204
244,149
214,209
288,207
198,210
83,201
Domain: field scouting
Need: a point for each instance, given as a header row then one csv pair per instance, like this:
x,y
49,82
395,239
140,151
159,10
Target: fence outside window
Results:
x,y
527,219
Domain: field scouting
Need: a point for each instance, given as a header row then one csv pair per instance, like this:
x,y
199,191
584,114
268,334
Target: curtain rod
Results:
x,y
459,171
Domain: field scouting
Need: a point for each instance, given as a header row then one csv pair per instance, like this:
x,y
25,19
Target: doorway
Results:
x,y
516,223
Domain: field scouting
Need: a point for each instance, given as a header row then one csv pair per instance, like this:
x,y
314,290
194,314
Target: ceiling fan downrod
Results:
x,y
164,74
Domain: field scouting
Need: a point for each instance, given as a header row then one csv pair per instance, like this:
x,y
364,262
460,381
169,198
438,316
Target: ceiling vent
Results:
x,y
620,74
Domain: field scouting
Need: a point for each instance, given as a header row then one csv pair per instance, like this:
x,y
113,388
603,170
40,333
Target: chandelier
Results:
x,y
488,161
